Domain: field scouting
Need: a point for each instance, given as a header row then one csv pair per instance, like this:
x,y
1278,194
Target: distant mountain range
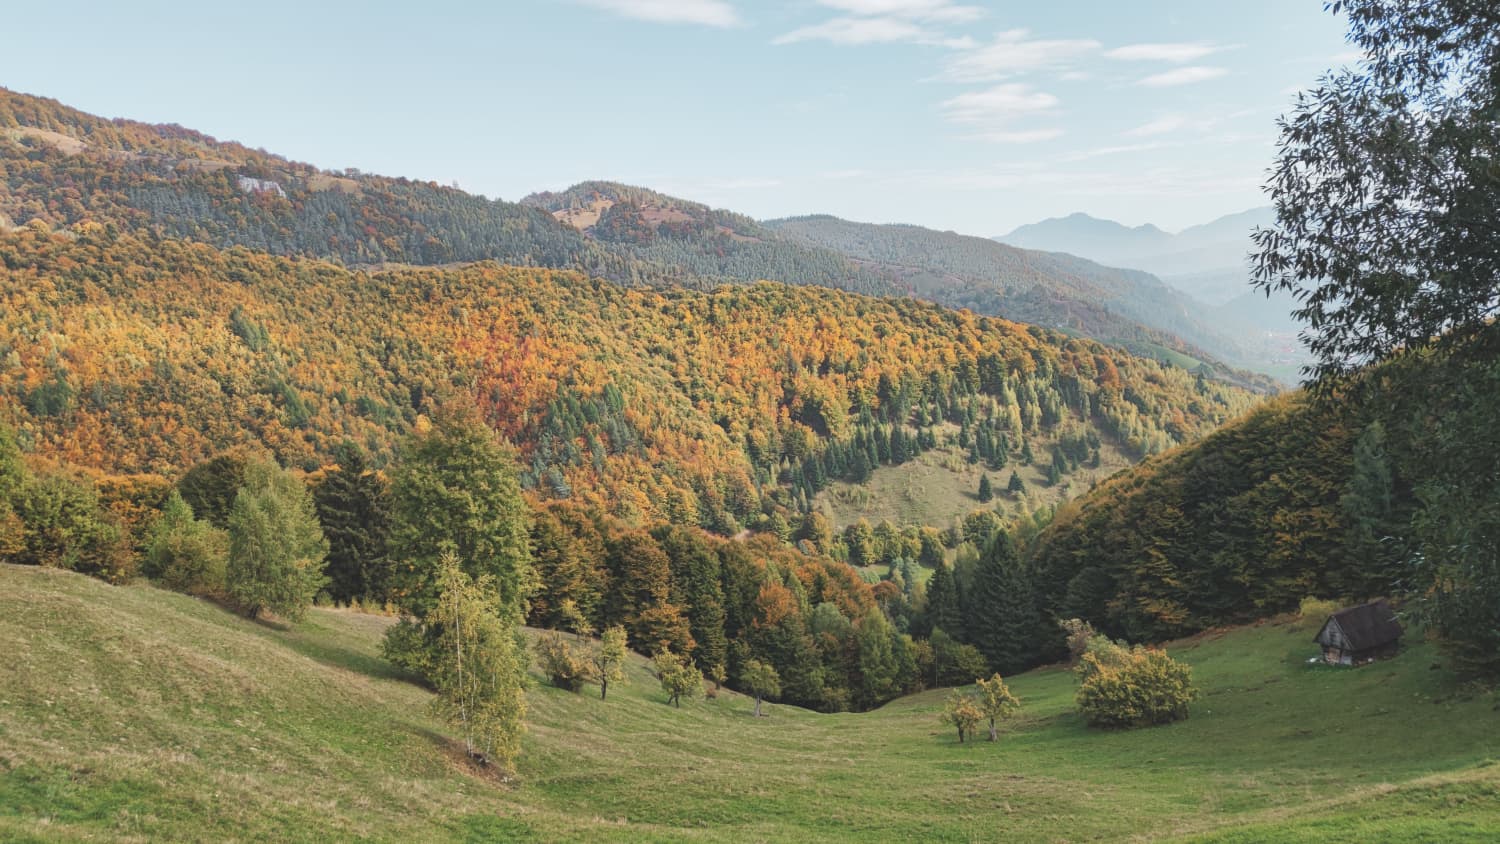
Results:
x,y
1209,261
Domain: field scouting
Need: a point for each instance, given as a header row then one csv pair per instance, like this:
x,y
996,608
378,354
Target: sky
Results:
x,y
955,114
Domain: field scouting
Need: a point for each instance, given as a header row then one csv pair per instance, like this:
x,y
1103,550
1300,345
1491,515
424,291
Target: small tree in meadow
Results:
x,y
608,659
762,681
962,712
477,664
679,677
996,702
183,553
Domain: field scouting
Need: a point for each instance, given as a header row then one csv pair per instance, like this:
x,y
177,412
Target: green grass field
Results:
x,y
132,714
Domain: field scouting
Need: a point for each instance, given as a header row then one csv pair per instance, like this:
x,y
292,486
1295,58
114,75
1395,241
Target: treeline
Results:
x,y
724,410
1378,487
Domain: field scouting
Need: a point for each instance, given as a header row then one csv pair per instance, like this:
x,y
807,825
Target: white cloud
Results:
x,y
704,12
1019,136
1183,76
1012,53
1177,53
936,11
999,104
855,31
889,22
1160,126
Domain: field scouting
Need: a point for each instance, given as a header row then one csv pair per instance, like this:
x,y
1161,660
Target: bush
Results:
x,y
566,665
1133,687
1314,611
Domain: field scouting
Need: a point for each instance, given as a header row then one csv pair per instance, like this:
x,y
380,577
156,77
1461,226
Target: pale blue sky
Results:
x,y
956,114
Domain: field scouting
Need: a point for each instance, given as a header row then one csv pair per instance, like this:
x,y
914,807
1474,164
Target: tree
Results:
x,y
1016,485
1003,620
679,678
696,588
961,711
455,490
184,553
354,509
477,666
640,594
1385,188
995,702
943,611
608,659
276,547
954,663
878,668
210,487
762,681
986,493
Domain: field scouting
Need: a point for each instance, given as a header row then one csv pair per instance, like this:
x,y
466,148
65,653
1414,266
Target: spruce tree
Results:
x,y
276,546
354,511
1004,622
943,612
986,493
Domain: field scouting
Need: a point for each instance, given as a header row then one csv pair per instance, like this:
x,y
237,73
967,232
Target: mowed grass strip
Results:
x,y
133,714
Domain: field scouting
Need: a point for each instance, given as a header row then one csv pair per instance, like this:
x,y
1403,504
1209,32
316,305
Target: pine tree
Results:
x,y
943,612
1004,622
986,493
1016,485
354,510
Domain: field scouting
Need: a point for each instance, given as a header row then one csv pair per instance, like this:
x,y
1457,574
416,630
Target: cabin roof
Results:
x,y
1366,626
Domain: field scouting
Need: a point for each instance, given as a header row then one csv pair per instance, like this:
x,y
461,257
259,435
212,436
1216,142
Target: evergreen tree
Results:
x,y
986,494
943,612
1004,622
640,595
354,510
696,588
184,553
878,668
1016,485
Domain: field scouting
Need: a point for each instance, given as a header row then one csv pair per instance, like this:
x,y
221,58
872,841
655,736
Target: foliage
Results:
x,y
354,509
477,665
607,660
1002,620
454,491
679,677
276,547
184,553
955,663
560,658
1133,687
761,681
1384,185
995,702
962,712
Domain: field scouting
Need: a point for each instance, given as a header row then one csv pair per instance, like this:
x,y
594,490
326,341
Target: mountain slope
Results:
x,y
134,354
135,714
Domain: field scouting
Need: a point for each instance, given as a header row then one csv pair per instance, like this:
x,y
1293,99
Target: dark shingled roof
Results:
x,y
1367,626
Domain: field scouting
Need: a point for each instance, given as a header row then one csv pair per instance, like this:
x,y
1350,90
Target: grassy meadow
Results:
x,y
133,714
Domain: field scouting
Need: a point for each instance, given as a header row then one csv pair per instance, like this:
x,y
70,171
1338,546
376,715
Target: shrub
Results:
x,y
1133,687
962,712
1078,633
566,665
184,553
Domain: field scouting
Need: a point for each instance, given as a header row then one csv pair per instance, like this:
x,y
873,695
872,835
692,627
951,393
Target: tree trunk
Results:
x,y
603,689
757,706
960,735
993,735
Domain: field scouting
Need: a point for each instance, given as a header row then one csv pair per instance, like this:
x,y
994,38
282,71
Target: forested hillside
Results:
x,y
131,354
62,166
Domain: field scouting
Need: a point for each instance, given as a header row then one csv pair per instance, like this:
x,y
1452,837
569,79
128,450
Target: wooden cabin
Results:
x,y
1360,634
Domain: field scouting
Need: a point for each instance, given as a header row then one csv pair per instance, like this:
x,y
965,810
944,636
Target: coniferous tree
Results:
x,y
943,609
1003,621
353,509
986,493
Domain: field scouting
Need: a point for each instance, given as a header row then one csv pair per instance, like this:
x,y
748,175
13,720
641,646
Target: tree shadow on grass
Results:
x,y
348,659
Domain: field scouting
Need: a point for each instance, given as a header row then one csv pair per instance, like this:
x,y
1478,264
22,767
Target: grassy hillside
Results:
x,y
132,714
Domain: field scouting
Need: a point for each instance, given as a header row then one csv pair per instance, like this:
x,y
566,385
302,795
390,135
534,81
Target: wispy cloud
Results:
x,y
857,31
718,13
1175,53
936,11
1160,126
1018,136
997,104
889,22
1012,53
1183,76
